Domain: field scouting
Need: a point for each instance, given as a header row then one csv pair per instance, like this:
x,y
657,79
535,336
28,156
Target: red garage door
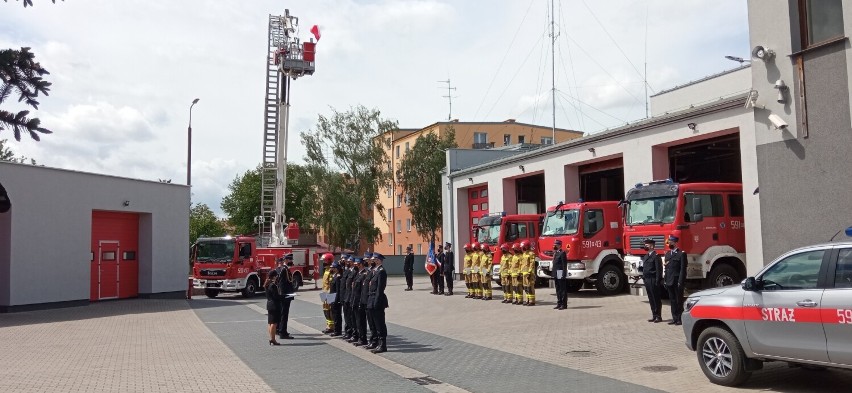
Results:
x,y
115,265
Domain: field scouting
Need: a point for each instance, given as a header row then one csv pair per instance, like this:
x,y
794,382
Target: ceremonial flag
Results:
x,y
431,262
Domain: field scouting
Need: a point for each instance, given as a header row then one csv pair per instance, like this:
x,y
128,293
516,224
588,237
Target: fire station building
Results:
x,y
69,238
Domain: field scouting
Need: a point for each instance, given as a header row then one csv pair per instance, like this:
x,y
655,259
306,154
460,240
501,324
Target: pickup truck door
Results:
x,y
837,309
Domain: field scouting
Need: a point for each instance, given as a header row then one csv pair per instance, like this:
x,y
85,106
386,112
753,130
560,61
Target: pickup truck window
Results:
x,y
797,271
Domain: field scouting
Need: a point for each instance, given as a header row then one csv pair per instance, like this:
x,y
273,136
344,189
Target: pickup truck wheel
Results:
x,y
251,287
610,281
721,357
722,276
575,286
211,293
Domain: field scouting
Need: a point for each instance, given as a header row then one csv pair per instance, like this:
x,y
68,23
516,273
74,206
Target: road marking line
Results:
x,y
375,359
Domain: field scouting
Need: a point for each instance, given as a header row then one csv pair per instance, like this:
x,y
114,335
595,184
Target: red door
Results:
x,y
107,266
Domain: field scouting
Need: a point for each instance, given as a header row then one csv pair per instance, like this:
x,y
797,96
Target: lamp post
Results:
x,y
189,146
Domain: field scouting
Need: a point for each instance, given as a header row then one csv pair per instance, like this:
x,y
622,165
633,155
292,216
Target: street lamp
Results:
x,y
738,59
189,146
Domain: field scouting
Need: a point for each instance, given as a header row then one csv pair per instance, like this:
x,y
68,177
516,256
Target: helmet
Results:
x,y
486,248
327,257
476,246
525,245
516,247
505,247
467,247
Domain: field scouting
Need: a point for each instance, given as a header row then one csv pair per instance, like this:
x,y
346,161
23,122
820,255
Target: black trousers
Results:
x,y
675,298
409,278
337,317
439,279
653,289
361,322
449,277
371,323
561,291
285,315
379,321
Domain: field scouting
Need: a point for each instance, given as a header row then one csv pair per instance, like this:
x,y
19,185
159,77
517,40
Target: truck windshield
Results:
x,y
215,251
563,222
488,234
651,211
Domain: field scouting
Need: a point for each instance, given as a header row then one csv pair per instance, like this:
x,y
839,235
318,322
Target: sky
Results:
x,y
125,72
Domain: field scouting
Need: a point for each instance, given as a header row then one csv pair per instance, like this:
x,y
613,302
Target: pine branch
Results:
x,y
19,123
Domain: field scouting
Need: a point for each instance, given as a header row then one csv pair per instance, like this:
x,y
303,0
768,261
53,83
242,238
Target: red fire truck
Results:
x,y
236,264
706,217
591,232
498,228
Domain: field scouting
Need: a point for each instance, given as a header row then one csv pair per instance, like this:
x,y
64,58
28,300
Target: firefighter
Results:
x,y
466,272
371,321
377,302
652,276
528,272
474,270
327,259
363,296
486,262
359,314
335,289
515,273
505,280
558,269
345,288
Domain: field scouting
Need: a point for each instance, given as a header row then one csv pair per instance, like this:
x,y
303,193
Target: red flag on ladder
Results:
x,y
315,31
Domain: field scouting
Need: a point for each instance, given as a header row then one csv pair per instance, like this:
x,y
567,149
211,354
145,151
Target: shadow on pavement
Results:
x,y
402,345
101,309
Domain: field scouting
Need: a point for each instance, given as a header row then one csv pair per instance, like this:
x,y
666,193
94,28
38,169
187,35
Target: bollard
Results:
x,y
189,289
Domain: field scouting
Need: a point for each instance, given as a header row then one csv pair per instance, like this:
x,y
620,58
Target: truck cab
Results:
x,y
708,219
227,264
591,234
498,228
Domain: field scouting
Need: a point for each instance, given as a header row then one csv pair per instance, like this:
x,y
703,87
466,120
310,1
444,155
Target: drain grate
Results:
x,y
659,369
425,381
580,354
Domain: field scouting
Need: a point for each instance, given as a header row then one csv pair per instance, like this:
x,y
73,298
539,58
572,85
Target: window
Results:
x,y
480,137
390,239
522,139
507,139
398,200
399,250
390,215
408,224
517,230
735,205
476,221
108,256
397,151
129,255
474,195
419,248
546,140
592,222
407,199
389,192
797,271
474,207
407,149
711,205
483,193
483,206
820,21
843,275
398,226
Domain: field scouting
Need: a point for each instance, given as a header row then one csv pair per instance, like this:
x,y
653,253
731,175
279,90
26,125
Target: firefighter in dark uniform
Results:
x,y
285,287
377,302
408,268
363,296
337,302
345,288
559,272
675,273
355,301
652,275
449,267
371,323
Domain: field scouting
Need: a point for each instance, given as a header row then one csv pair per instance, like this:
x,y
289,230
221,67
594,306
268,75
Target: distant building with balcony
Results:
x,y
397,226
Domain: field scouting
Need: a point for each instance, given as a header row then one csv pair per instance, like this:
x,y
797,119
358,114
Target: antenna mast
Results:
x,y
553,68
449,96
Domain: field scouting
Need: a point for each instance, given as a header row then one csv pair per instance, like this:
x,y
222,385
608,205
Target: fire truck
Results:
x,y
591,234
497,228
241,263
707,218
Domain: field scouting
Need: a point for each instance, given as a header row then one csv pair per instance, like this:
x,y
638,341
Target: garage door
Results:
x,y
114,258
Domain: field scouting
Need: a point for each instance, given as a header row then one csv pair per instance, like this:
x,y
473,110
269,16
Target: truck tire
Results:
x,y
722,275
211,293
251,287
610,280
721,357
575,286
297,281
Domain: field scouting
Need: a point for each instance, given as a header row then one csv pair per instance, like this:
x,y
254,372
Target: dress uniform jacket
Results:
x,y
652,267
355,293
378,282
449,262
364,296
675,267
560,262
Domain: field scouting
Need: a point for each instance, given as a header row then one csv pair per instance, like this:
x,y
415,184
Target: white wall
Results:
x,y
726,84
51,218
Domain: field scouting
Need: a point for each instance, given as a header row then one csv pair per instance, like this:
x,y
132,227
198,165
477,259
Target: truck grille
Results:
x,y
636,242
212,272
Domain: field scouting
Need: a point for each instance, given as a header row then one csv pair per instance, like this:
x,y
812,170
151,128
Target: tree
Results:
x,y
19,72
30,2
420,178
6,154
349,166
202,222
242,205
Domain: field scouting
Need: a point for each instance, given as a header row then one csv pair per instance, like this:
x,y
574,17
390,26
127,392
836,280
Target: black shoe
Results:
x,y
652,319
371,346
564,308
450,293
287,337
407,289
671,322
658,320
335,334
559,307
678,323
379,350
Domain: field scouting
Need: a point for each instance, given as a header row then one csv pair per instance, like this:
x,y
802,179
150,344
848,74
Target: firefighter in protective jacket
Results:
x,y
485,265
528,273
327,259
505,280
474,270
466,272
515,273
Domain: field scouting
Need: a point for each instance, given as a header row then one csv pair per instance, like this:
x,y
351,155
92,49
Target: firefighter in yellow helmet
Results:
x,y
515,273
486,263
528,272
505,279
474,270
327,259
468,256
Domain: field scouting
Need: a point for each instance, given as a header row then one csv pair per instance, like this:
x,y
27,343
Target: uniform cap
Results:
x,y
368,255
448,244
288,257
378,256
335,264
557,242
358,261
650,241
673,238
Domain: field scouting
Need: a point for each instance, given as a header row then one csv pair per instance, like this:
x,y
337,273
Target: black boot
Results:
x,y
382,347
373,344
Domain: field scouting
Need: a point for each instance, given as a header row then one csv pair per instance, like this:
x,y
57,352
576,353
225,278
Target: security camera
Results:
x,y
782,87
778,122
762,53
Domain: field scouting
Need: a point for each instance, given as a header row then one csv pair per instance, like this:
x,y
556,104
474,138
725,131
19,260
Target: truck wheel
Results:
x,y
297,282
610,281
721,357
575,286
722,275
211,293
251,287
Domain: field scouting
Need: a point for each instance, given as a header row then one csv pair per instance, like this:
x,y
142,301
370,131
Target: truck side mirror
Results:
x,y
697,214
750,284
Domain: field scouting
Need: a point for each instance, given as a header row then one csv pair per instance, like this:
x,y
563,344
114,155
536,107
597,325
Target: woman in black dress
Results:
x,y
273,305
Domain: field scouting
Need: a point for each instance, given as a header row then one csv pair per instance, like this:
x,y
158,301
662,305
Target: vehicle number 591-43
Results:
x,y
844,316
